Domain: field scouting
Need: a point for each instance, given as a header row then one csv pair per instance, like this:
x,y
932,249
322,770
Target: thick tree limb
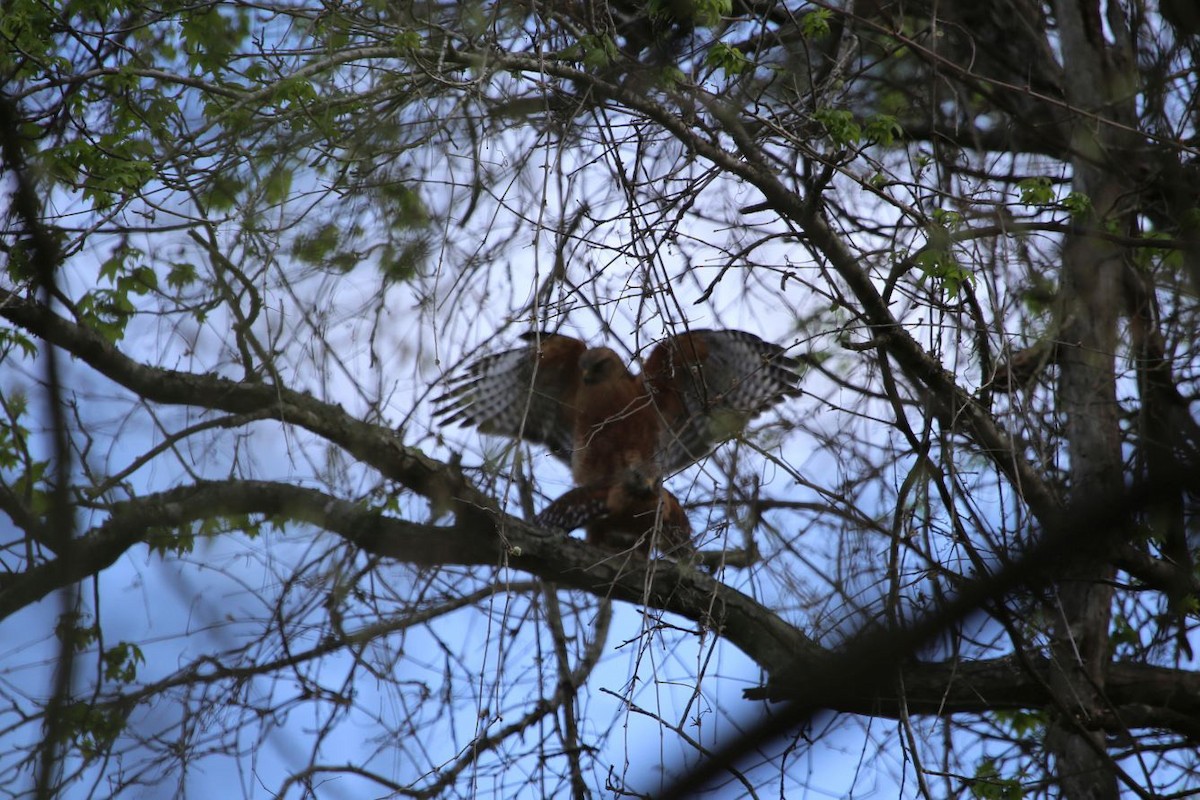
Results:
x,y
936,689
778,647
374,445
1161,696
497,541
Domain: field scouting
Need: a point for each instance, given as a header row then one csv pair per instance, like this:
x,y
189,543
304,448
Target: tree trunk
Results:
x,y
1091,302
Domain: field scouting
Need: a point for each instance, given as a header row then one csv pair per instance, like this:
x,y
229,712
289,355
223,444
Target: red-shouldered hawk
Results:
x,y
620,432
633,512
697,390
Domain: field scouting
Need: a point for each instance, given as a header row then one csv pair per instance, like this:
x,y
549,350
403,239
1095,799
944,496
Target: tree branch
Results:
x,y
374,445
497,541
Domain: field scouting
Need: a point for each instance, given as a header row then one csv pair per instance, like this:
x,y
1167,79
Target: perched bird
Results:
x,y
696,390
623,433
632,513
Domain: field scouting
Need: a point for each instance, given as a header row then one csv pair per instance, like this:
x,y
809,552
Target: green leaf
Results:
x,y
882,128
91,729
1078,204
315,246
1036,191
407,209
170,541
840,125
278,185
121,662
815,23
223,191
703,13
112,267
10,337
597,51
181,275
107,312
293,92
210,36
1025,724
947,219
709,13
728,59
407,40
988,784
403,263
72,630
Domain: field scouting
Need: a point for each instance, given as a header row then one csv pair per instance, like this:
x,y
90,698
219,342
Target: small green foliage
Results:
x,y
294,92
71,630
222,191
210,36
942,265
142,280
278,185
840,125
13,435
180,540
728,59
21,265
671,75
118,164
815,23
1024,724
90,729
1039,191
1036,191
121,662
989,785
597,52
115,178
23,27
181,275
30,484
709,13
407,209
407,40
10,338
947,219
882,128
107,312
1078,204
403,263
170,541
1122,632
704,13
315,246
938,260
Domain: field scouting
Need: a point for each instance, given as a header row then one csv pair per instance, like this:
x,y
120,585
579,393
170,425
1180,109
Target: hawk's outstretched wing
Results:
x,y
706,385
698,389
527,393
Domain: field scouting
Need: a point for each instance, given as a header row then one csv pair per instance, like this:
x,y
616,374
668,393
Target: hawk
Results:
x,y
696,390
622,433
